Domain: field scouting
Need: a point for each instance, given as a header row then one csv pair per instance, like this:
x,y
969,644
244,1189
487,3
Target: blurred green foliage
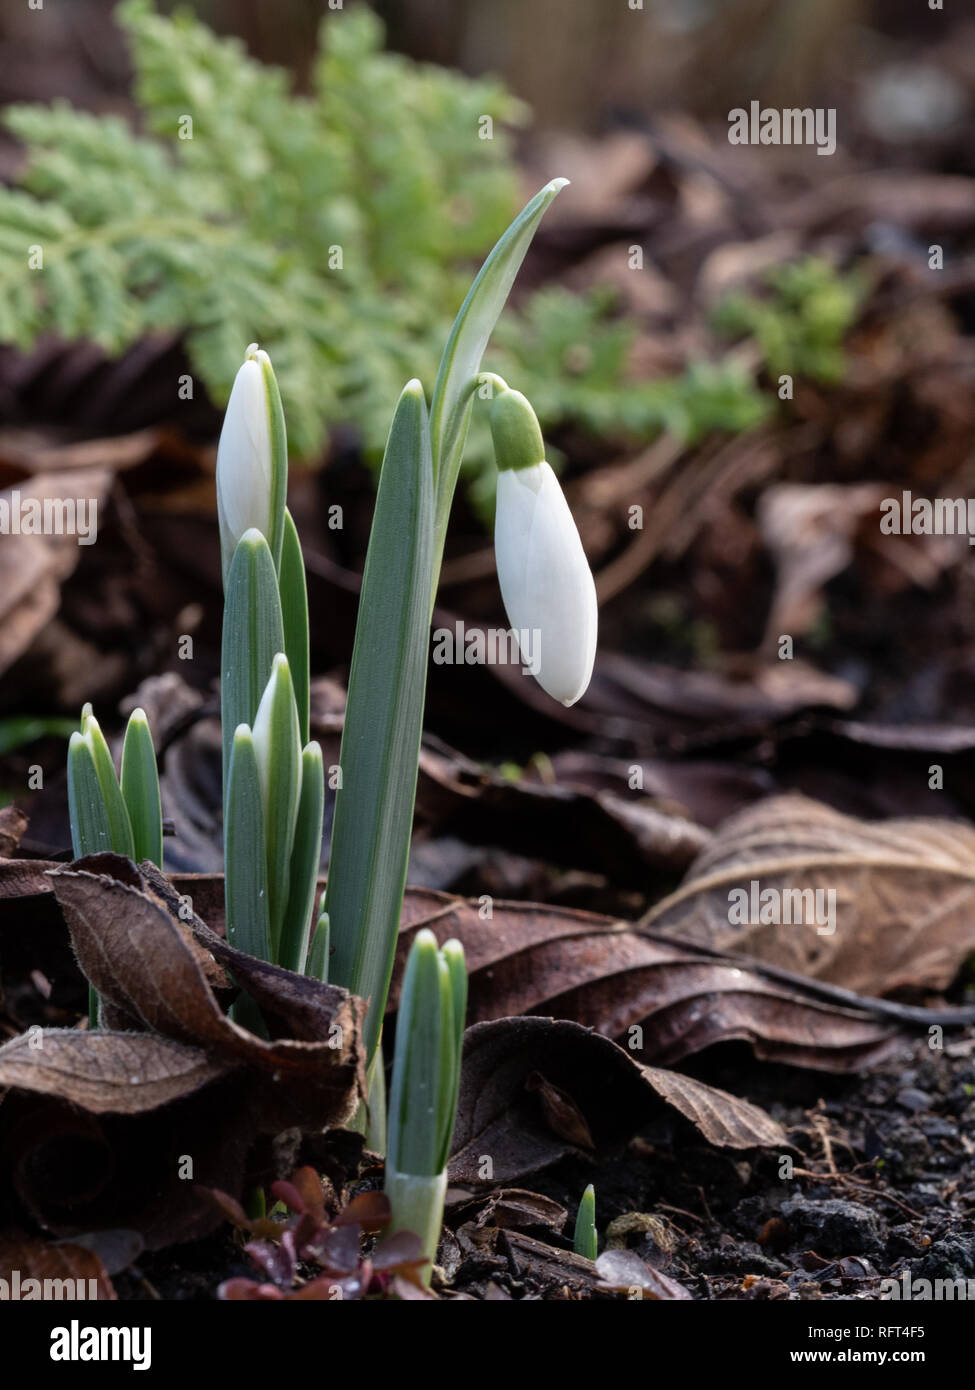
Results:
x,y
225,217
801,325
20,730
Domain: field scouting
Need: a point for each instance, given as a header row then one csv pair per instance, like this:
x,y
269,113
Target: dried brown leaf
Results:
x,y
904,895
24,1258
500,1116
106,1073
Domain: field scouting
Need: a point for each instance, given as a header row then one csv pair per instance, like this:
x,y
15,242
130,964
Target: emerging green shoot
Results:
x,y
423,1095
140,789
125,819
320,946
584,1242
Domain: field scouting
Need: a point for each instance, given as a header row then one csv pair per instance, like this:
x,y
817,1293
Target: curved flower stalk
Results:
x,y
546,584
423,1095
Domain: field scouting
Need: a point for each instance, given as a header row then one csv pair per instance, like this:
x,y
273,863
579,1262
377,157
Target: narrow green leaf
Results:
x,y
140,789
453,956
450,407
448,1066
279,460
245,882
305,857
384,718
414,1139
318,955
376,1083
294,612
120,828
253,633
90,827
585,1242
279,764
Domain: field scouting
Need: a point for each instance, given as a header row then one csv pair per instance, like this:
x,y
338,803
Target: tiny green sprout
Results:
x,y
140,789
105,815
318,955
425,1082
584,1242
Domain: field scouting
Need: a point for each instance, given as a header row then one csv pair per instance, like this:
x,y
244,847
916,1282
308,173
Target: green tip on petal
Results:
x,y
517,437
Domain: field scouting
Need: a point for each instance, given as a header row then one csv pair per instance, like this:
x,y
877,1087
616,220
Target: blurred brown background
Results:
x,y
581,65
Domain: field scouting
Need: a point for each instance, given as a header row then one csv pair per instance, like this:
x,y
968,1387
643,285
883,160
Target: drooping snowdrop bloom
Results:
x,y
252,468
547,586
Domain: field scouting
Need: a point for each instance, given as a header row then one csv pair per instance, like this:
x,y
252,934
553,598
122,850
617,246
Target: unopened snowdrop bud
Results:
x,y
546,583
252,459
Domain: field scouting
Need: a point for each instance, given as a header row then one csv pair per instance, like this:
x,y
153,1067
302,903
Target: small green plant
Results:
x,y
585,1242
273,774
800,327
426,1079
124,814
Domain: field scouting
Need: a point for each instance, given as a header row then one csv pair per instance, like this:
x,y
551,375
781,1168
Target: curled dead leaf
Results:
x,y
98,1127
502,1117
902,891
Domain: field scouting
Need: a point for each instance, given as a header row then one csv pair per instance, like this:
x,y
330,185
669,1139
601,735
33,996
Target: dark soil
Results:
x,y
882,1184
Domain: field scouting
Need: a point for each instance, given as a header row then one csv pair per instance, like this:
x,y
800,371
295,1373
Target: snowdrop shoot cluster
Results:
x,y
545,579
273,775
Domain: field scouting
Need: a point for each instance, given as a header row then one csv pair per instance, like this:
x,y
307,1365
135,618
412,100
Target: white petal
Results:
x,y
545,580
244,458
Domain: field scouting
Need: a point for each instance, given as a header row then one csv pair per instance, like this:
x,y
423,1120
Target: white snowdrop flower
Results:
x,y
547,586
251,459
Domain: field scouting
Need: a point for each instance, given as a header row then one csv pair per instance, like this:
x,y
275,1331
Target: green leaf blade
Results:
x,y
585,1241
318,956
120,827
381,739
413,1140
294,613
90,827
245,883
279,463
278,755
305,857
253,634
140,789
